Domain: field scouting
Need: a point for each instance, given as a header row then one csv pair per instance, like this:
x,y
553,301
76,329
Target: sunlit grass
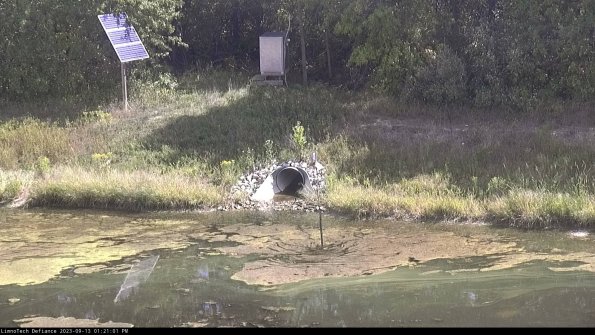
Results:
x,y
529,208
23,142
138,190
521,208
423,197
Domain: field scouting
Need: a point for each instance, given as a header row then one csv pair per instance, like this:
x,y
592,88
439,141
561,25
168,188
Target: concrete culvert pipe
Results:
x,y
290,180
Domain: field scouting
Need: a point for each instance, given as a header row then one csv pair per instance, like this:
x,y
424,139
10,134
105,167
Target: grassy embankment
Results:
x,y
183,147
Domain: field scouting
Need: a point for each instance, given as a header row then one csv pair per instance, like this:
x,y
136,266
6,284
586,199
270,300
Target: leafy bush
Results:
x,y
442,79
12,183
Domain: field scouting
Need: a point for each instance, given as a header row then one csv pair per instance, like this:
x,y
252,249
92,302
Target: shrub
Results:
x,y
442,79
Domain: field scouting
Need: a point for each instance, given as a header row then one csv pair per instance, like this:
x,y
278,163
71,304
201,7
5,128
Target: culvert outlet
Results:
x,y
290,180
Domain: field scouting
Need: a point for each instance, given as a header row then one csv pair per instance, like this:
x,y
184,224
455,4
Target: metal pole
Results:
x,y
124,90
315,159
320,224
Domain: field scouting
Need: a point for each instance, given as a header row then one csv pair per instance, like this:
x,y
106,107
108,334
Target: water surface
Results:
x,y
176,270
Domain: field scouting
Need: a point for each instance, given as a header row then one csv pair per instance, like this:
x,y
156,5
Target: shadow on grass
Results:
x,y
487,158
212,80
240,127
53,110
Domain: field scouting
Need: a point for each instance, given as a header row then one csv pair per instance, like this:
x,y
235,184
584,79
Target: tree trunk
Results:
x,y
303,48
328,55
235,29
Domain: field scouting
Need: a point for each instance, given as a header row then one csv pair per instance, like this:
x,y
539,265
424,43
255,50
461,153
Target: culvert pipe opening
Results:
x,y
290,180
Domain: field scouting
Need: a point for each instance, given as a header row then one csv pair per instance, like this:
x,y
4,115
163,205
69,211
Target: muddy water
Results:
x,y
93,269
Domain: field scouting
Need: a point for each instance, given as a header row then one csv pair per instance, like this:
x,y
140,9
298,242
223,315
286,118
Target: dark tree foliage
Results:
x,y
476,52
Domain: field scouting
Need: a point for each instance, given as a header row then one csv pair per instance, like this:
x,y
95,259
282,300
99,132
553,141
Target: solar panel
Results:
x,y
123,37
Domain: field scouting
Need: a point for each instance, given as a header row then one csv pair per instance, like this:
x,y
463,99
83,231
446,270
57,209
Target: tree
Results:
x,y
55,48
389,37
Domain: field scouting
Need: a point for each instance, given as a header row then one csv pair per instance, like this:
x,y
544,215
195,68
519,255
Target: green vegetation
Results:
x,y
57,50
24,142
299,139
498,53
182,146
475,110
113,189
12,184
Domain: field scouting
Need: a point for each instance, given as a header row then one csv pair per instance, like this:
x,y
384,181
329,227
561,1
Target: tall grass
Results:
x,y
526,177
521,208
139,190
529,208
22,143
527,159
411,198
184,135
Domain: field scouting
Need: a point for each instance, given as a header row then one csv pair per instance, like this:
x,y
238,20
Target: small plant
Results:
x,y
13,183
227,170
10,186
497,186
475,188
269,151
246,160
101,160
11,189
299,139
42,165
167,81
